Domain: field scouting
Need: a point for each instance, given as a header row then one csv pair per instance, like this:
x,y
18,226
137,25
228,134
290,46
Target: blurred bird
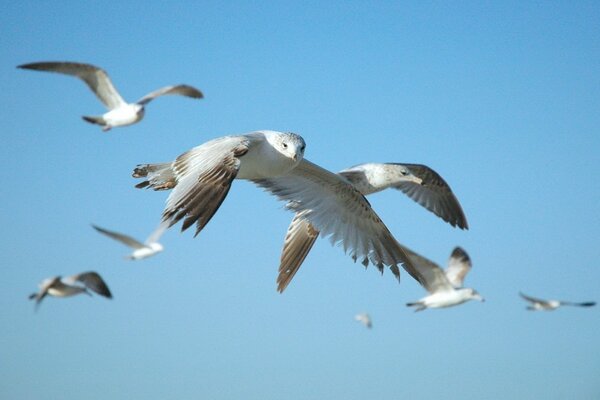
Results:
x,y
419,182
141,250
120,113
550,305
445,287
70,286
364,319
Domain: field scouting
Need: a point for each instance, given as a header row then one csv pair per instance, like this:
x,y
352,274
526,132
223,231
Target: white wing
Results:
x,y
127,240
428,273
183,90
92,281
338,211
96,78
158,232
459,266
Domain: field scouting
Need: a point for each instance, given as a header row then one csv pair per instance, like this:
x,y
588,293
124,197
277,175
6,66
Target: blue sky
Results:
x,y
501,98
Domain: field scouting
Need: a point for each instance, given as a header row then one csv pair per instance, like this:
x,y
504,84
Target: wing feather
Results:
x,y
183,90
459,265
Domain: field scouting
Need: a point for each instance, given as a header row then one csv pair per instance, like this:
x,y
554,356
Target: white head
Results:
x,y
405,174
473,295
289,144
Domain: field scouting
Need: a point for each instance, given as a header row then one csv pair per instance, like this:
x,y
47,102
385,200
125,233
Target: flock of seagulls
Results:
x,y
326,204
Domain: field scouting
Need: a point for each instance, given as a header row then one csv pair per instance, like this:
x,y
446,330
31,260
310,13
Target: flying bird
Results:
x,y
419,182
70,286
364,319
140,250
120,113
202,177
550,305
445,287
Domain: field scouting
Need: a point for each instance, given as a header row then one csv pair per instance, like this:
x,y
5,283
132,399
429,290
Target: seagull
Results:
x,y
550,305
120,113
364,319
70,286
141,250
419,182
445,287
202,177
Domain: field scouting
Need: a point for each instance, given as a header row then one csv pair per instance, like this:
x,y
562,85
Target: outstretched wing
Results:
x,y
92,281
96,78
300,238
127,240
204,175
337,210
459,266
533,299
434,194
183,90
428,273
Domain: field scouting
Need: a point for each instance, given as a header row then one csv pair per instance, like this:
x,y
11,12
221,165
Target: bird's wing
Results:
x,y
204,175
183,90
127,240
583,304
533,299
434,194
92,281
428,273
157,233
300,237
96,78
459,265
337,210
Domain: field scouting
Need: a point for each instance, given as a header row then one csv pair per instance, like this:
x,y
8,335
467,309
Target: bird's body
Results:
x,y
120,113
202,177
536,304
419,182
71,286
364,319
140,250
444,287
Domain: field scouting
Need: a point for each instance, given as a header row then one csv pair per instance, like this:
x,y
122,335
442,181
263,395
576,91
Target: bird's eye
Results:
x,y
285,145
302,148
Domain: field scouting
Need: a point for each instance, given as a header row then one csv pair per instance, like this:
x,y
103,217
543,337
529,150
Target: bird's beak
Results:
x,y
295,158
416,180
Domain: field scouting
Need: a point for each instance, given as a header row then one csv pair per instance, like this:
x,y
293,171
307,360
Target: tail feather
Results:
x,y
419,306
158,176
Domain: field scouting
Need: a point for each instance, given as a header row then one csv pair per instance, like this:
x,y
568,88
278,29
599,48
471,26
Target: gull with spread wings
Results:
x,y
140,250
445,287
120,113
202,177
551,305
419,182
71,286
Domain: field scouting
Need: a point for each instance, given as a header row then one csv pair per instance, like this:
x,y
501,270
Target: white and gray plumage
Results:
x,y
364,319
140,250
201,178
120,113
70,286
550,305
419,182
445,287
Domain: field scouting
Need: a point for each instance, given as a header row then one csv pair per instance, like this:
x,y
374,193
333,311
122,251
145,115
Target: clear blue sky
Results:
x,y
501,98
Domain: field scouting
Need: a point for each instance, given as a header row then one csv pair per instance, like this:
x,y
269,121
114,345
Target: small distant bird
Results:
x,y
141,250
419,182
120,113
70,286
364,319
550,305
445,287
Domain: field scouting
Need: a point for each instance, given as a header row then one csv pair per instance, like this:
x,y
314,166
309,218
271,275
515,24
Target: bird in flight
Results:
x,y
140,250
419,182
72,285
551,305
202,177
120,113
364,319
445,287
